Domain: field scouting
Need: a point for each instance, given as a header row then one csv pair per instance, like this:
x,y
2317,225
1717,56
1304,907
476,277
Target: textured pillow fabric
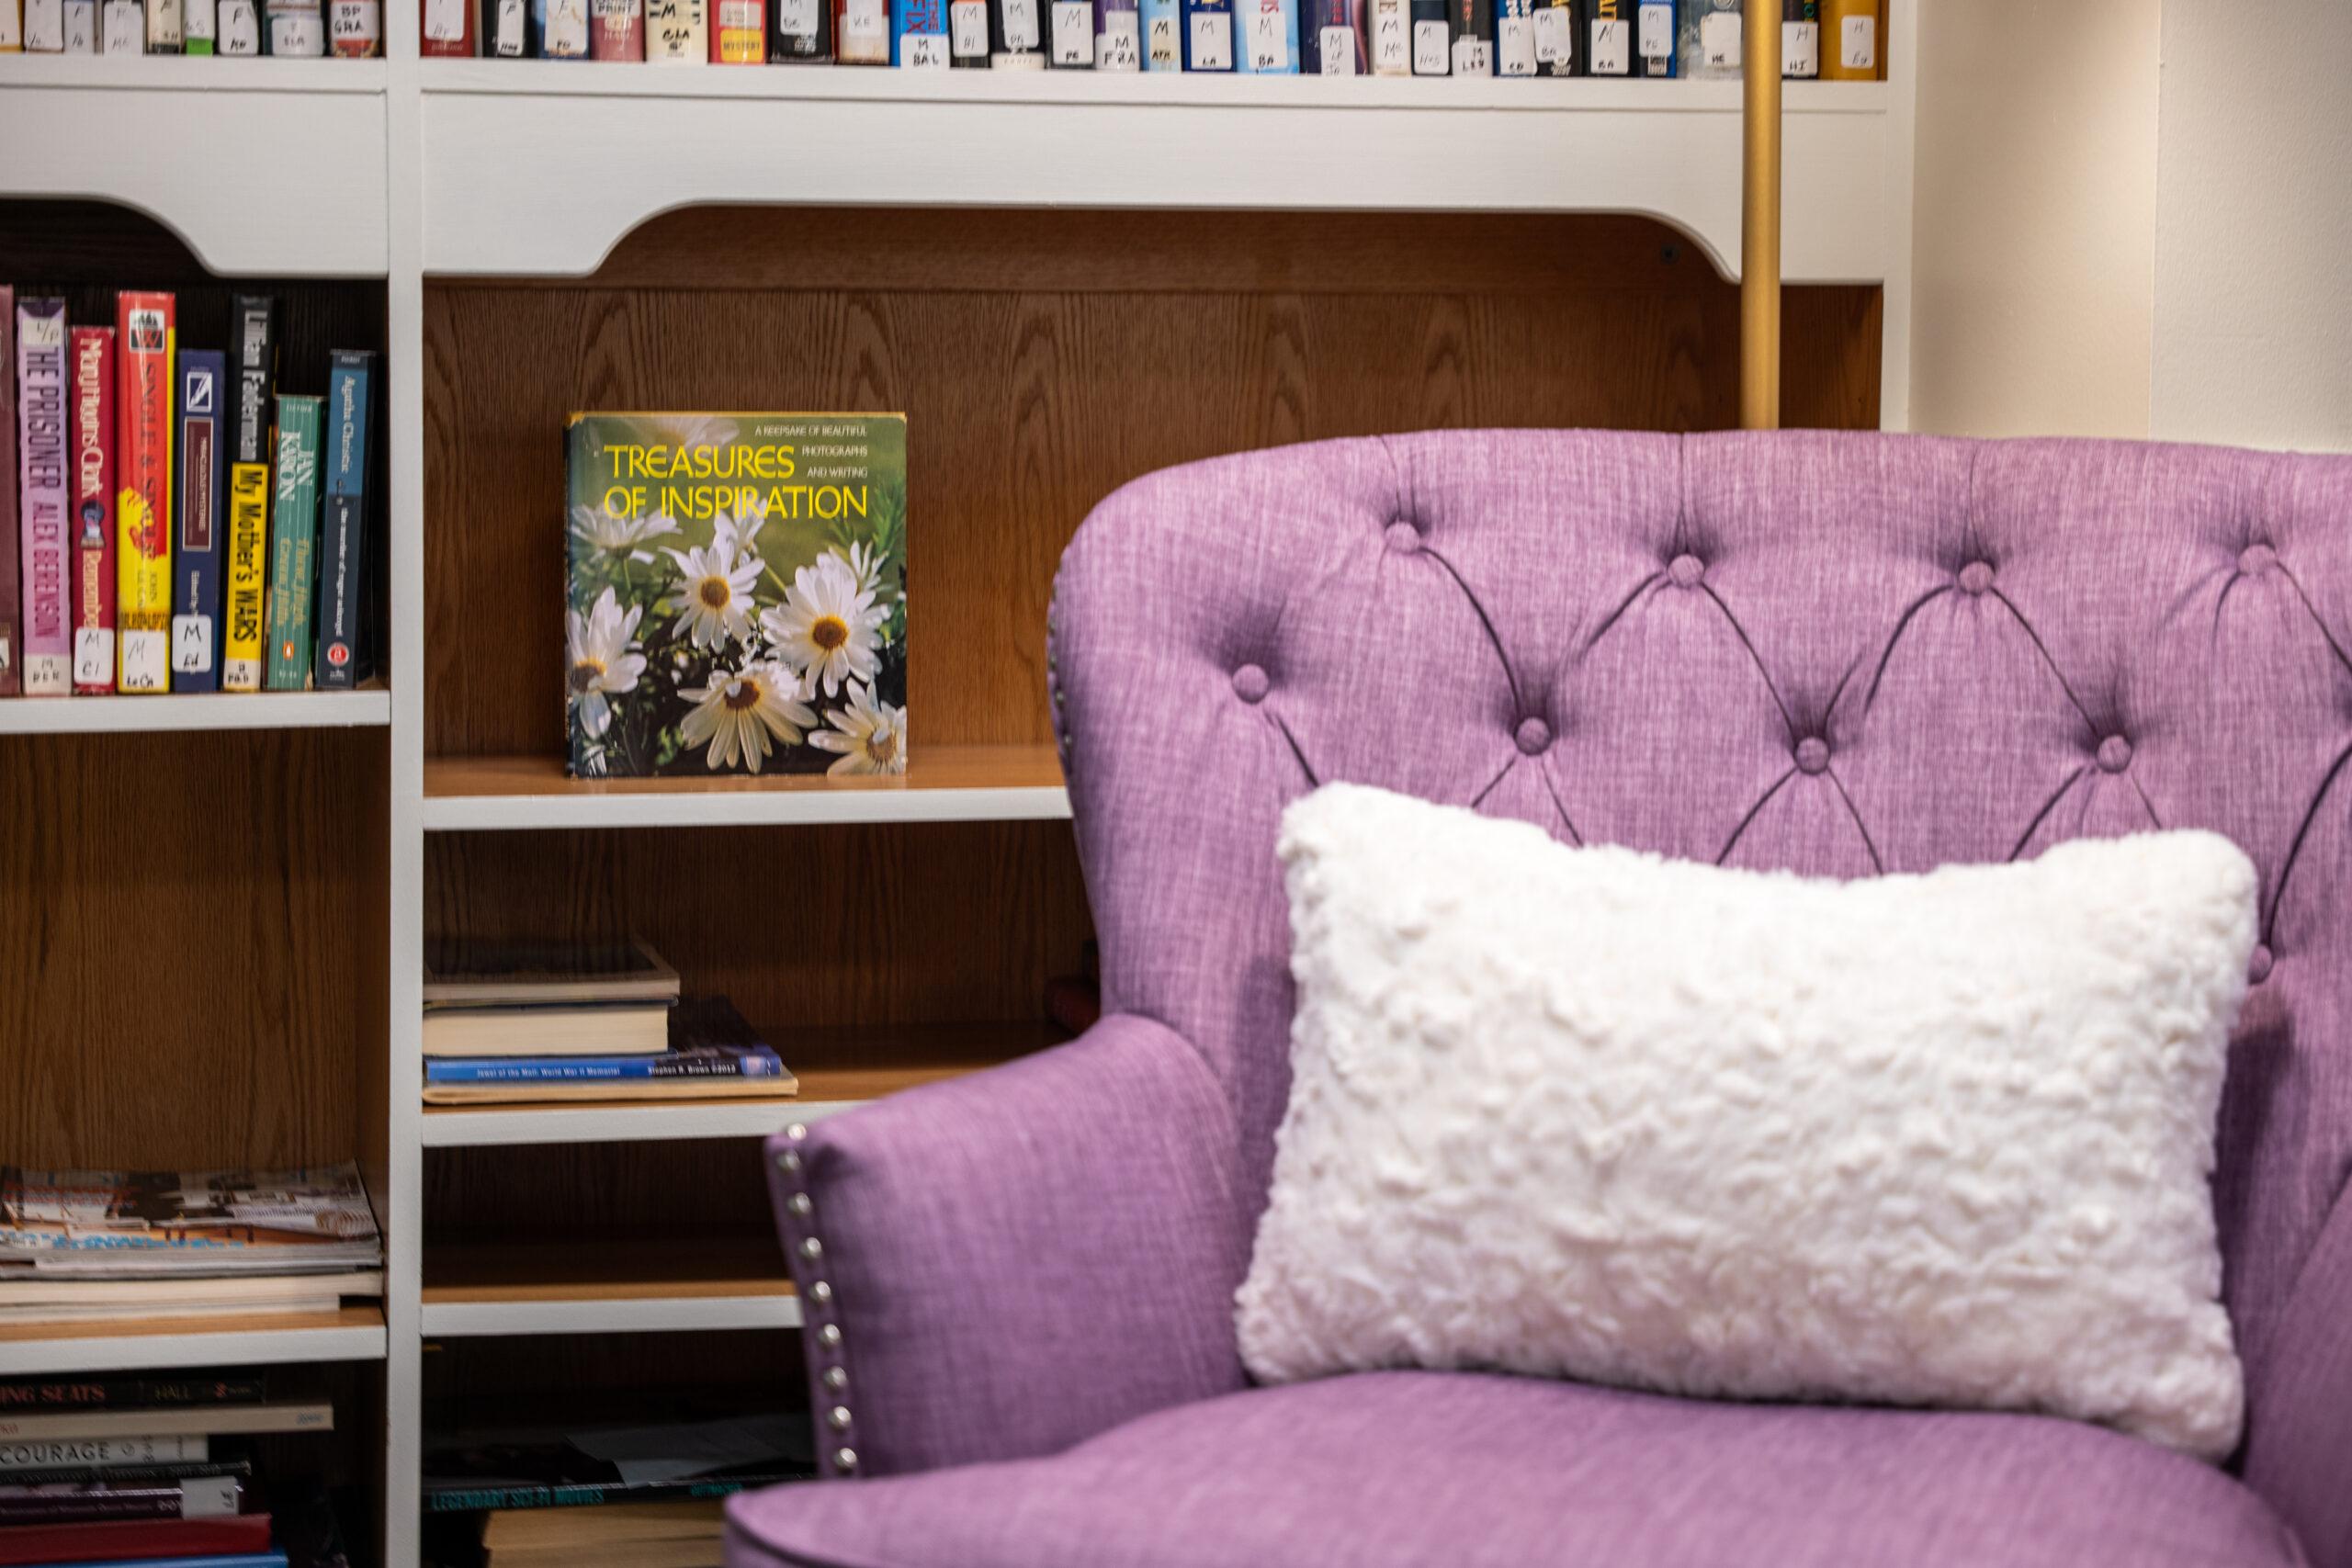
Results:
x,y
1921,1140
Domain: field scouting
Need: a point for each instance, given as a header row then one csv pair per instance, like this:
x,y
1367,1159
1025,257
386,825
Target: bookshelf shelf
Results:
x,y
839,1070
619,1288
587,152
946,783
178,139
354,1333
134,715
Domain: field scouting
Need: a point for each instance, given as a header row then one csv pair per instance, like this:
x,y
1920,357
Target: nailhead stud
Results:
x,y
789,1161
812,1249
797,1132
829,1337
837,1379
839,1416
802,1206
820,1292
844,1459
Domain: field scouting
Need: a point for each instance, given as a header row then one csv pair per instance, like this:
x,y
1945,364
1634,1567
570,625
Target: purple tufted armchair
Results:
x,y
1846,654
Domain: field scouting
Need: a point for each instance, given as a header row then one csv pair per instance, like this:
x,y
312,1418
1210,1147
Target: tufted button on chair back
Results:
x,y
1843,655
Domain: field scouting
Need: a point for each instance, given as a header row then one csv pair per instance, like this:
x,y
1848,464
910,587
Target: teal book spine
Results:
x,y
293,543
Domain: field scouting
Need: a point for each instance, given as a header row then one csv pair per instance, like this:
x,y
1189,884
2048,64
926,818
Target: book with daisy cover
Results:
x,y
736,597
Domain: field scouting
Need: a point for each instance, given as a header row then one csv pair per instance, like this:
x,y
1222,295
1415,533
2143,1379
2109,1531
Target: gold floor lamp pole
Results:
x,y
1759,227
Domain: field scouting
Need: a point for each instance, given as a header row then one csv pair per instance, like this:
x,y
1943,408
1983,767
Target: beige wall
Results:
x,y
2253,342
2033,258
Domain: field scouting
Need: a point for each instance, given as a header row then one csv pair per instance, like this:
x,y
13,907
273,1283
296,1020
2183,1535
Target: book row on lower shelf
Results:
x,y
1836,39
170,521
352,29
163,1468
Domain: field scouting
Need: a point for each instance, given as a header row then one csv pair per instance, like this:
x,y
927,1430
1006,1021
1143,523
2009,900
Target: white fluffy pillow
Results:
x,y
1922,1140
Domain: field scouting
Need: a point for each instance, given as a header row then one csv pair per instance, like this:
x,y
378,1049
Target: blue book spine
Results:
x,y
349,406
919,35
597,1070
1267,36
339,660
1163,34
203,448
1656,39
1208,35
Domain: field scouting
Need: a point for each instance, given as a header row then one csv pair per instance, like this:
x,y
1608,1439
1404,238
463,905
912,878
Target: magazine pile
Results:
x,y
90,1246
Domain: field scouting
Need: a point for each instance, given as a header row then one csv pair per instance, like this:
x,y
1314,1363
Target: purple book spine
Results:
x,y
11,642
48,654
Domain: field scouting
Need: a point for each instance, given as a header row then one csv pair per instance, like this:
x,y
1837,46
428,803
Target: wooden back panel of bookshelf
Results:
x,y
1044,358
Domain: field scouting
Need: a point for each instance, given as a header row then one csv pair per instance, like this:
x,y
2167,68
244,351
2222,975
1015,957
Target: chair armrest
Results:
x,y
1001,1265
2299,1429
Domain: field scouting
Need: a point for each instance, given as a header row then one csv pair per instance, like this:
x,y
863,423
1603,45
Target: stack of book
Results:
x,y
619,1535
123,1469
84,1245
170,521
512,1022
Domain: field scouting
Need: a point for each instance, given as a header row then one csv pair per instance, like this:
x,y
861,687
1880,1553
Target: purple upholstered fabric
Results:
x,y
1842,654
1399,1470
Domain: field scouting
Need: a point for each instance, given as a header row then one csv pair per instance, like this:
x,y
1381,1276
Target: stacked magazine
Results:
x,y
92,1246
520,1022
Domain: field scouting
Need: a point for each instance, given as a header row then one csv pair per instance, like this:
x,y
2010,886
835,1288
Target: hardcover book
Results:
x,y
1267,36
198,21
1432,38
340,658
102,1454
12,41
1656,37
45,658
1609,35
122,27
1072,22
1710,44
293,543
1016,35
44,26
1163,34
89,1502
739,33
297,28
240,27
920,42
1331,40
11,546
967,34
355,29
506,30
197,544
562,29
1470,36
617,29
163,26
102,1391
92,353
124,1541
862,32
1208,35
1559,50
736,593
461,974
149,346
678,33
1118,36
445,28
1801,39
81,26
1514,38
253,319
1850,42
801,32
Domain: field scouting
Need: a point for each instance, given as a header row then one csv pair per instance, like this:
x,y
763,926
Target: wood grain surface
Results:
x,y
190,946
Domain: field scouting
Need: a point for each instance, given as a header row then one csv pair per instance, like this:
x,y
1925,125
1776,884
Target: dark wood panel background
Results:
x,y
1044,358
186,950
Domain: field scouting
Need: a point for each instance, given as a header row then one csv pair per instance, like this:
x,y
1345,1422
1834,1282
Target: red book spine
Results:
x,y
131,1540
617,29
90,363
446,29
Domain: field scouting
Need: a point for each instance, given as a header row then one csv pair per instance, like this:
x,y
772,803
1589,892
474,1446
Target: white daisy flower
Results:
x,y
713,598
828,627
610,532
738,535
740,715
870,736
864,564
599,660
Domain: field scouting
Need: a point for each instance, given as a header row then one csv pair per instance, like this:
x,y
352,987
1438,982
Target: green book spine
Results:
x,y
293,543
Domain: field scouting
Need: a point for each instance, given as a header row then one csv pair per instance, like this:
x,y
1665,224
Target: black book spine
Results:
x,y
506,30
130,1475
1432,38
1559,38
1017,34
256,369
1470,29
342,658
801,32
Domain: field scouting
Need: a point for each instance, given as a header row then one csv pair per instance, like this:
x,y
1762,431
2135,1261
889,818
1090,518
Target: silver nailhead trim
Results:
x,y
837,1377
838,1417
812,1249
789,1160
821,1292
829,1337
802,1206
844,1459
797,1132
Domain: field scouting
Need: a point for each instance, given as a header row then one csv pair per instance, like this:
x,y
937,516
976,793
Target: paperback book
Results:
x,y
196,547
255,322
93,354
293,543
46,656
736,593
144,332
11,629
340,659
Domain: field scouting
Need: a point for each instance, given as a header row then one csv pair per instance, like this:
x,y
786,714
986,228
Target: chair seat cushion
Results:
x,y
1470,1470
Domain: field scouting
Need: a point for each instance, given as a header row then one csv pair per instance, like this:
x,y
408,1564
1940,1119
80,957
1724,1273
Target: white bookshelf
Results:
x,y
402,168
140,716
